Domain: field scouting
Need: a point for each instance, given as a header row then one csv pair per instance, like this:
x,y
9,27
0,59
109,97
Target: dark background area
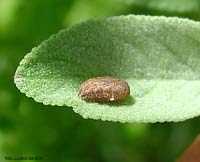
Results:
x,y
57,133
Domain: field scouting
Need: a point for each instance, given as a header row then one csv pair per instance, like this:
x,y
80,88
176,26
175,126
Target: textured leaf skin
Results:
x,y
159,57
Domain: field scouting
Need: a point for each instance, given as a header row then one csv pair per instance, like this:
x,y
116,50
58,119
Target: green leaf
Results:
x,y
159,57
180,6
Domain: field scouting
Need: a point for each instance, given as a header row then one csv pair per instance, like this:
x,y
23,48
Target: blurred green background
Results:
x,y
57,133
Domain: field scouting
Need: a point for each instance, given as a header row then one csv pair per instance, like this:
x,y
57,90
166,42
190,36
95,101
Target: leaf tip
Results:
x,y
17,79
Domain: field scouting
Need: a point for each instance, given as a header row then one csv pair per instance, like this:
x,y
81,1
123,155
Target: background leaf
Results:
x,y
180,6
157,56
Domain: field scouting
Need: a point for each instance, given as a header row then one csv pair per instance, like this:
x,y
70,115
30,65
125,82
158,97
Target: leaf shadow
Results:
x,y
127,102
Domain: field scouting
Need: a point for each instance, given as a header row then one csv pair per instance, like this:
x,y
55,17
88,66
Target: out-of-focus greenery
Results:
x,y
57,133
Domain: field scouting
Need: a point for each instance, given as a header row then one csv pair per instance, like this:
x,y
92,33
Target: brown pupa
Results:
x,y
102,89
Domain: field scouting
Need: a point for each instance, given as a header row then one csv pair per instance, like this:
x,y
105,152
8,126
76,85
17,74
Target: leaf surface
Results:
x,y
158,56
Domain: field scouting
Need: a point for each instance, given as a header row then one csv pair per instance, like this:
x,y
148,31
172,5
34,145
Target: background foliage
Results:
x,y
57,133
